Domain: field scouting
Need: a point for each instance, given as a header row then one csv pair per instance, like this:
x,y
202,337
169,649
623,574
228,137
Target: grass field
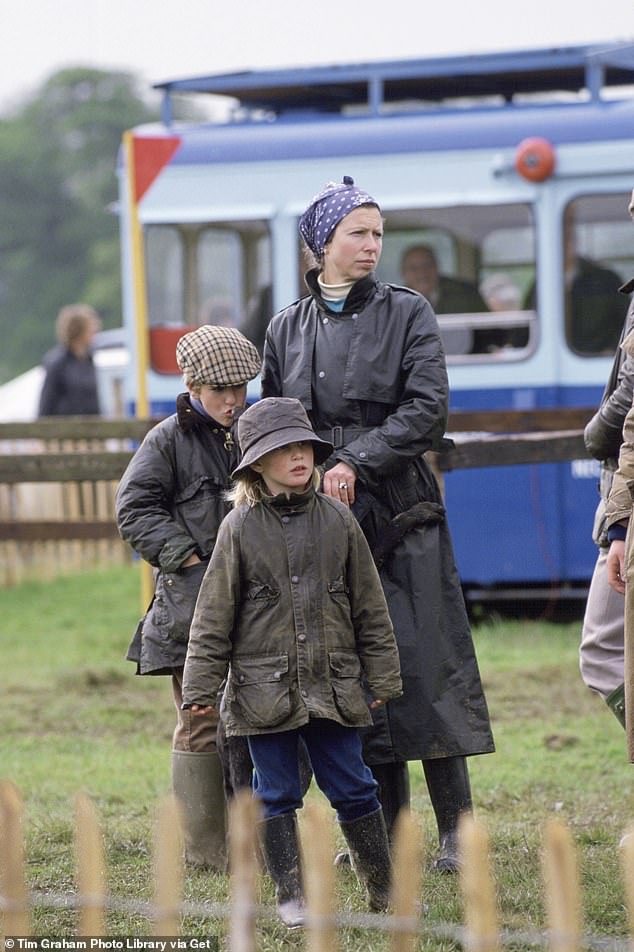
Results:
x,y
75,718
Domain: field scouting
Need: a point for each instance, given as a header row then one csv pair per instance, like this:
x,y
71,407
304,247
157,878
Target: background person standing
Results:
x,y
70,381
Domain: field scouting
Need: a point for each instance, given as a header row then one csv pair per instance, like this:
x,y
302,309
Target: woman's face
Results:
x,y
354,249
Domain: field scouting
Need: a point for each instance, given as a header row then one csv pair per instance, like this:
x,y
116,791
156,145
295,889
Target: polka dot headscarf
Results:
x,y
326,210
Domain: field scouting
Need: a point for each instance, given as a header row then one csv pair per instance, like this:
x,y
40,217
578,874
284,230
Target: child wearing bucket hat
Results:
x,y
169,505
291,610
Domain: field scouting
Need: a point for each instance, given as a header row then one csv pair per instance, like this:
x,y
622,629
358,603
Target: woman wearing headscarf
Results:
x,y
366,360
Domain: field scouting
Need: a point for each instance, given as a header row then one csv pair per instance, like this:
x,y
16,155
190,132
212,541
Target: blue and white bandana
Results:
x,y
326,210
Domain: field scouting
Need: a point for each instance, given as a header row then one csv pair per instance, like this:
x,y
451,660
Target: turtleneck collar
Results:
x,y
334,292
357,296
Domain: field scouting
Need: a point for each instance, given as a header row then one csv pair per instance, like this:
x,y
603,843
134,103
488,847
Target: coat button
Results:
x,y
362,454
169,581
304,693
301,638
241,678
277,675
294,579
285,518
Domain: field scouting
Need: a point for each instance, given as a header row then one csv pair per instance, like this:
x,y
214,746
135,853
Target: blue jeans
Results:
x,y
338,766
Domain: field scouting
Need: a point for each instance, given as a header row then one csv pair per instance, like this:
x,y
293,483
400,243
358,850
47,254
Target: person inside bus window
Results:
x,y
594,312
448,295
500,292
366,360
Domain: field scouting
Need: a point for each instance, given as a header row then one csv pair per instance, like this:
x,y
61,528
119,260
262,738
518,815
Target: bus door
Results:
x,y
598,257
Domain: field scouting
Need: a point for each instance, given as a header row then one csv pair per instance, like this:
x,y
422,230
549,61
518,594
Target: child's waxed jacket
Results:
x,y
292,605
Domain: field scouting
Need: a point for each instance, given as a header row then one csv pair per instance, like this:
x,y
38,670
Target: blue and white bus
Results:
x,y
515,169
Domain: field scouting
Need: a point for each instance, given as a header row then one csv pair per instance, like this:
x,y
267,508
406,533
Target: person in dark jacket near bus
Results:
x,y
366,361
169,505
70,381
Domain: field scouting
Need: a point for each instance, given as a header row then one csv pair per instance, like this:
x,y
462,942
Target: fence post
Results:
x,y
562,894
90,868
244,812
480,913
168,869
406,881
627,867
319,875
16,915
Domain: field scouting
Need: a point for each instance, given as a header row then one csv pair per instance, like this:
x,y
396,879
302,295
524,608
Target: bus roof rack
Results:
x,y
375,85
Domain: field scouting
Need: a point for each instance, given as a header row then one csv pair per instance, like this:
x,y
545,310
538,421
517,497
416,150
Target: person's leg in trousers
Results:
x,y
450,794
341,773
197,782
277,784
602,648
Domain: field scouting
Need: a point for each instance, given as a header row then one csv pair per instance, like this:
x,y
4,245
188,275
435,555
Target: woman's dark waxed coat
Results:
x,y
169,505
292,602
393,379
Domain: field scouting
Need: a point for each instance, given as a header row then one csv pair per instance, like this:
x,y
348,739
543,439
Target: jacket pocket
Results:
x,y
174,602
260,685
262,593
345,680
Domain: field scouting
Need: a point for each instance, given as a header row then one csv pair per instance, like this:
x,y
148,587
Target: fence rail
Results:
x,y
58,477
406,922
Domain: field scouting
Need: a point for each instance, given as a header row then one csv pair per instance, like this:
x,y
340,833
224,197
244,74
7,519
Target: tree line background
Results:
x,y
59,230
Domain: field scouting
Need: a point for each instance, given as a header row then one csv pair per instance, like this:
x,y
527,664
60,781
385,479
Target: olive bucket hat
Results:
x,y
274,422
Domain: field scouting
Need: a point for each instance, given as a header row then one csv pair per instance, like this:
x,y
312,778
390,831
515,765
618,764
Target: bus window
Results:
x,y
596,235
211,273
474,264
165,257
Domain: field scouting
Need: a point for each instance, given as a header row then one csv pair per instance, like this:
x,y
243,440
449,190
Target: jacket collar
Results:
x,y
190,420
294,502
357,296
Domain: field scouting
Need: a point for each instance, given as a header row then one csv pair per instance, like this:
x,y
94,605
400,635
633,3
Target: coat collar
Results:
x,y
357,296
190,420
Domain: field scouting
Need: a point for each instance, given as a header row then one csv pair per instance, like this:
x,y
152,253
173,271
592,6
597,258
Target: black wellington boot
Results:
x,y
280,847
393,794
450,794
370,851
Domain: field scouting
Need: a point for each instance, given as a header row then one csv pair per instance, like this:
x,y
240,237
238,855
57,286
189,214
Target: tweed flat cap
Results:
x,y
218,356
274,422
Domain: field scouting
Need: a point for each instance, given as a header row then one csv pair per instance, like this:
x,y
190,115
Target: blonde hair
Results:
x,y
250,488
73,321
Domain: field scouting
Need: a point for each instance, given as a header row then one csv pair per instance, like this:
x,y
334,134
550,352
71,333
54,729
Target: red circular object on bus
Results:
x,y
535,159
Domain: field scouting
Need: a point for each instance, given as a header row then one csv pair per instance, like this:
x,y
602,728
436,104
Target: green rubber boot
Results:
x,y
616,702
197,783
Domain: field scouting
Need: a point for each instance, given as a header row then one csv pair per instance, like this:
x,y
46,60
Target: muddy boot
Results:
x,y
280,847
450,793
197,783
393,794
370,852
616,702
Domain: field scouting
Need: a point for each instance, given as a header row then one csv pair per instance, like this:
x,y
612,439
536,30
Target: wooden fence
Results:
x,y
58,478
405,923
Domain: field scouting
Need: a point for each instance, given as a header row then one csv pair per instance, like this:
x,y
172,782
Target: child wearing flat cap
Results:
x,y
169,505
292,610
